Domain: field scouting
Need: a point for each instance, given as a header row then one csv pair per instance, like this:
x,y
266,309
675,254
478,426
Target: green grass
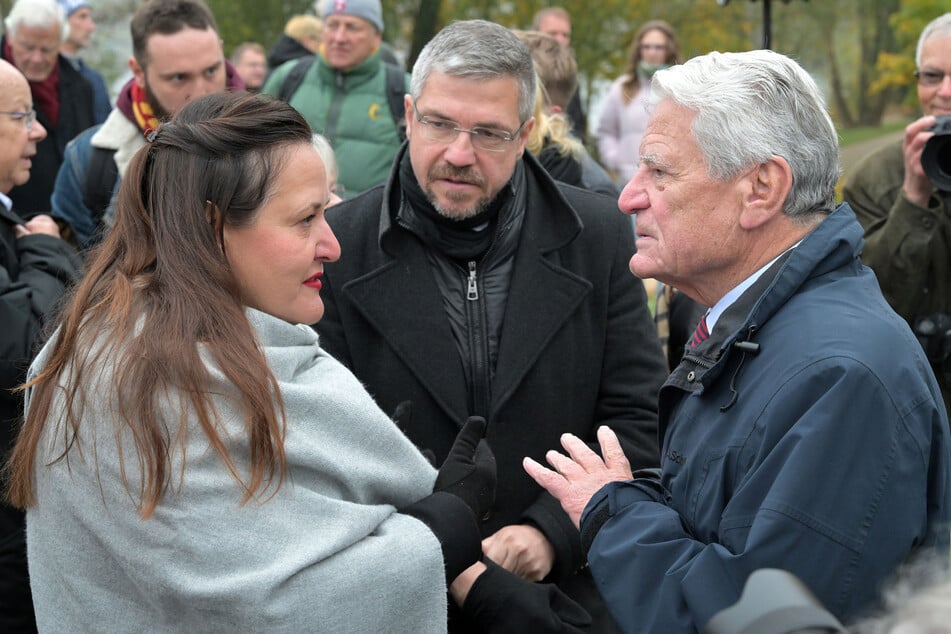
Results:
x,y
857,135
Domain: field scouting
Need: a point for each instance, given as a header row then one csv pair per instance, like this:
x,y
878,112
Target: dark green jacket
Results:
x,y
908,247
352,111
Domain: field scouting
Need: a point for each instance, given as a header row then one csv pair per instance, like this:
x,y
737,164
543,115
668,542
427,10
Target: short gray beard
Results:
x,y
454,214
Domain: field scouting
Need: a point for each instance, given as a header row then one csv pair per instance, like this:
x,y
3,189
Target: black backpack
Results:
x,y
395,89
101,176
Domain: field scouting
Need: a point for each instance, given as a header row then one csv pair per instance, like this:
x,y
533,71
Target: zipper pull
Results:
x,y
472,292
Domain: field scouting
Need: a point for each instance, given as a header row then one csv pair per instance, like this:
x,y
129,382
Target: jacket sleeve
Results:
x,y
660,571
47,265
901,238
632,373
67,199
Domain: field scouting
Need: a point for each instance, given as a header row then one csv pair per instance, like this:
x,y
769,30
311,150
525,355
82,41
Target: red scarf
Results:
x,y
141,110
45,93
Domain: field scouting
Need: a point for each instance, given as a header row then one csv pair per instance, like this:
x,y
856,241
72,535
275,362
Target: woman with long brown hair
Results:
x,y
191,459
624,115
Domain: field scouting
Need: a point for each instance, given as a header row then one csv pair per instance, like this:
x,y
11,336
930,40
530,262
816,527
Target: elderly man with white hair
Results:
x,y
34,32
803,429
35,267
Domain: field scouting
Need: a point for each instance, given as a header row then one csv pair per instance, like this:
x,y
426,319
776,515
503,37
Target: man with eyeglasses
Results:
x,y
62,96
907,220
35,267
348,93
472,283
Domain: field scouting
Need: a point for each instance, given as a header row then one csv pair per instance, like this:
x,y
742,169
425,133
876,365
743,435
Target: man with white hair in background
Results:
x,y
803,429
63,98
907,216
78,36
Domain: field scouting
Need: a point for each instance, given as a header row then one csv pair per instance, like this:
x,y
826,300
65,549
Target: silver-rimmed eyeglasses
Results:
x,y
445,131
28,116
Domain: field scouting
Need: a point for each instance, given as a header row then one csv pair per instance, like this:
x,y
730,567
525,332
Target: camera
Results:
x,y
936,157
934,335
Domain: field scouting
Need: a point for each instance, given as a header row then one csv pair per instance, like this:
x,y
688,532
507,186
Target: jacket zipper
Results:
x,y
478,343
472,292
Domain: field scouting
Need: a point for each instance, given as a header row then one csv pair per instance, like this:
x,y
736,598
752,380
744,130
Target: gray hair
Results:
x,y
939,27
752,106
36,13
478,49
326,153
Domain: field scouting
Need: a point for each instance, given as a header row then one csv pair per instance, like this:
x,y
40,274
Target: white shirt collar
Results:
x,y
713,314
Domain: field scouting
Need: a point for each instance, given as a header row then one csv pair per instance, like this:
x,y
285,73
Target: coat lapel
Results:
x,y
401,301
542,294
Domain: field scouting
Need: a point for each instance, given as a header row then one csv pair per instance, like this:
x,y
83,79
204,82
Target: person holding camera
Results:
x,y
901,195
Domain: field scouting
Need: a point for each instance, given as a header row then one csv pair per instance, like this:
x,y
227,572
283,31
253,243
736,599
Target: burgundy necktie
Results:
x,y
700,334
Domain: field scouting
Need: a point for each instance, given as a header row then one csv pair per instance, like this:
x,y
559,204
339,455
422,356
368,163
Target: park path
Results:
x,y
855,152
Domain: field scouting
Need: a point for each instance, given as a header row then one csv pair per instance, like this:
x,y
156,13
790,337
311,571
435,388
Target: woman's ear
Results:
x,y
215,219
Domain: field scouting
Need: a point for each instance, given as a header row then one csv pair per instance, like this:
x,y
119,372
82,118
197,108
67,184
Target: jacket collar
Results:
x,y
9,216
362,72
551,230
832,244
403,303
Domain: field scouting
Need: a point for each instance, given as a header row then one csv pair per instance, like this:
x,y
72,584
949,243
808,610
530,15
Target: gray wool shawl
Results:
x,y
327,553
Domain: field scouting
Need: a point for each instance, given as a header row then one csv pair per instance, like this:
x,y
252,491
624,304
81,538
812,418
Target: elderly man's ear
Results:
x,y
768,185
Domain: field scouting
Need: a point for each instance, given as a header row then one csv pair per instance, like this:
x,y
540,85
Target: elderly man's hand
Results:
x,y
38,224
578,476
917,186
521,549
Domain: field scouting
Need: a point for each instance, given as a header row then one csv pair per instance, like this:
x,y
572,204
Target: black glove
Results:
x,y
502,603
463,492
469,470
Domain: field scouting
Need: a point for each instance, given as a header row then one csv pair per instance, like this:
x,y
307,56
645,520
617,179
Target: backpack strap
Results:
x,y
295,77
101,177
395,91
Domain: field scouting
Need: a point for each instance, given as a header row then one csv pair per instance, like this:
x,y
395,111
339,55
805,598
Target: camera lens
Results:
x,y
936,156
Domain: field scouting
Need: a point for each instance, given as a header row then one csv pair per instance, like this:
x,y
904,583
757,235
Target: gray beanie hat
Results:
x,y
369,10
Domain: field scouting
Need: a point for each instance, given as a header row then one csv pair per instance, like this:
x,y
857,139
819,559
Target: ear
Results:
x,y
765,190
523,136
215,219
408,114
137,71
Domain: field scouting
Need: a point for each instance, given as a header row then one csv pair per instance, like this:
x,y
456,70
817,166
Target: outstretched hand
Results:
x,y
579,475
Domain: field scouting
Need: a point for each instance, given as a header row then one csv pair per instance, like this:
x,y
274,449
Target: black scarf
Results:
x,y
467,239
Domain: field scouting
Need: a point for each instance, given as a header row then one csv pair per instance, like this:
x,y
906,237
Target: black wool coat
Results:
x,y
577,350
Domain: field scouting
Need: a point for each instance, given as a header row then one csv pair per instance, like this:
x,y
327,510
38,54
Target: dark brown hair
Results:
x,y
167,17
159,288
632,82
